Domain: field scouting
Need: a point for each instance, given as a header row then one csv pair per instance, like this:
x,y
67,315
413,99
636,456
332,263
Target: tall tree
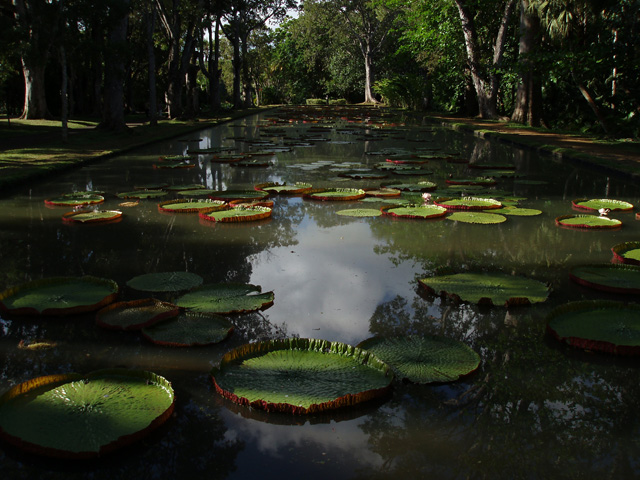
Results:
x,y
485,78
38,26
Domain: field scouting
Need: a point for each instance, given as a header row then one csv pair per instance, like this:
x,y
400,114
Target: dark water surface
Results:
x,y
534,409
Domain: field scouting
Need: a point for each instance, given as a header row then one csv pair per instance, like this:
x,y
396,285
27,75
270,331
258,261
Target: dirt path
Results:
x,y
620,156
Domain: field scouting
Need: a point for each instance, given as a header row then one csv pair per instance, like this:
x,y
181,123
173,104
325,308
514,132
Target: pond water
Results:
x,y
534,409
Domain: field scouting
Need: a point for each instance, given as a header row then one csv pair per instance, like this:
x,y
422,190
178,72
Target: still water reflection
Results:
x,y
534,409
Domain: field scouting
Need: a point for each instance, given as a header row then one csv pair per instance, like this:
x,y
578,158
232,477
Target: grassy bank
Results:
x,y
33,149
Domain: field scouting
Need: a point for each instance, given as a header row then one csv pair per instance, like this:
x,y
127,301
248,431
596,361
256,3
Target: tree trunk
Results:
x,y
246,80
528,106
237,67
64,97
35,100
153,105
368,78
214,69
113,115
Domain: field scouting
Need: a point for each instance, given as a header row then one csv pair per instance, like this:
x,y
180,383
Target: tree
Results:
x,y
486,80
38,27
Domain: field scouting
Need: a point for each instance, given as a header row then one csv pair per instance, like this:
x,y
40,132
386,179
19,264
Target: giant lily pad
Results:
x,y
414,211
84,416
383,192
75,199
517,211
301,376
135,315
336,194
227,195
602,203
587,222
468,203
424,359
609,278
226,298
143,194
481,218
627,252
189,329
424,186
59,296
471,181
236,214
190,205
604,326
360,212
92,216
283,188
165,282
487,288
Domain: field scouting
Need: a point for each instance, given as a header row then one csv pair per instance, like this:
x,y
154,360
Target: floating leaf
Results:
x,y
414,211
189,329
301,376
237,214
75,199
517,211
283,188
226,298
360,212
587,222
383,192
76,416
597,204
180,188
59,296
191,205
424,359
471,181
612,327
196,192
477,217
238,195
627,252
468,203
135,314
609,278
92,216
143,194
425,186
487,288
165,282
336,194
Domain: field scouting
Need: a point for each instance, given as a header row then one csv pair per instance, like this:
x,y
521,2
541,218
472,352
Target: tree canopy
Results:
x,y
569,65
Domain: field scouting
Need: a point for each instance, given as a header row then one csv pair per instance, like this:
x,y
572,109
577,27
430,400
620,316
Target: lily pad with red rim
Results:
x,y
228,195
424,186
587,222
478,218
84,416
92,216
336,194
59,296
301,376
424,359
468,203
601,203
383,192
284,188
604,326
135,314
414,211
189,329
236,214
143,194
614,278
191,205
627,252
75,199
226,298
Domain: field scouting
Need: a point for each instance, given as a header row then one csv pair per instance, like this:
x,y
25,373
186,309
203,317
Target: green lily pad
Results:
x,y
165,282
609,278
75,199
283,188
189,329
597,204
92,216
627,252
135,315
468,203
477,217
59,296
384,192
336,194
360,212
84,416
471,181
517,211
301,376
191,205
414,211
587,222
143,194
176,158
424,359
180,188
237,214
424,186
226,298
227,195
196,192
487,288
612,327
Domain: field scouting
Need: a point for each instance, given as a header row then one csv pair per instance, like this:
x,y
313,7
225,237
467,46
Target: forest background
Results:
x,y
570,65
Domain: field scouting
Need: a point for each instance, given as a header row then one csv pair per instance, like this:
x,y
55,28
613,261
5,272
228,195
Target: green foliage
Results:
x,y
405,91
